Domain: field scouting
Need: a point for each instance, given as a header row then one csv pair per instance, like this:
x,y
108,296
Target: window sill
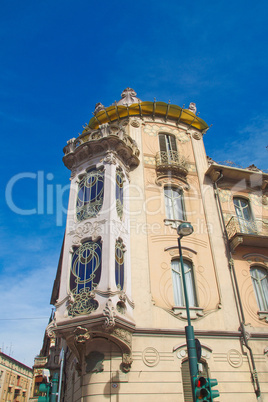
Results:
x,y
195,312
263,315
174,222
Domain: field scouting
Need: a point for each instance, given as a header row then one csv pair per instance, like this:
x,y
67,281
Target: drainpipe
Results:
x,y
253,370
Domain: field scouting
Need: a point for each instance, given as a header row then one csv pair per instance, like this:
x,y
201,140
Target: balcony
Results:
x,y
247,233
171,162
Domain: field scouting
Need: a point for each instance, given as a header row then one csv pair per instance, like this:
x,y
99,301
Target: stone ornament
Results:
x,y
99,106
150,357
81,335
192,107
109,315
128,97
234,358
126,362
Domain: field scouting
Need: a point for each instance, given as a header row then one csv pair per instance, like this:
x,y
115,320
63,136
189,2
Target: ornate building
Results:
x,y
15,380
138,170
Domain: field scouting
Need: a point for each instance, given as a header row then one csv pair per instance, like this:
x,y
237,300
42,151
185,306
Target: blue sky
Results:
x,y
58,59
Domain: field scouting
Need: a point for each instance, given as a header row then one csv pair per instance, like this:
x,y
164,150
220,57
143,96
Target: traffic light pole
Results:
x,y
189,329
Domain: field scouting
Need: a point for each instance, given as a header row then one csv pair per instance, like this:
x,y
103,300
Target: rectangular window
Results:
x,y
174,203
179,298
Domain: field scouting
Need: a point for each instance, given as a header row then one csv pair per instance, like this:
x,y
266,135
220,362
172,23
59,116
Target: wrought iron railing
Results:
x,y
171,159
239,225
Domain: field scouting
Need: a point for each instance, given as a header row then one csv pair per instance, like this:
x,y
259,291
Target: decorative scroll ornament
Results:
x,y
99,106
109,314
50,330
126,362
110,158
82,303
89,228
81,335
192,107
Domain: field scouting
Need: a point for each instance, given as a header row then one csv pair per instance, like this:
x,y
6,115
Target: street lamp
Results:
x,y
185,229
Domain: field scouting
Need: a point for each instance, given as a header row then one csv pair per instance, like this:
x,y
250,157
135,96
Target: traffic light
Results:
x,y
201,389
45,389
213,393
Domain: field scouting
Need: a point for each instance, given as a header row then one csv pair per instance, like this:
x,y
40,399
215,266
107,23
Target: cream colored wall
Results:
x,y
198,248
246,257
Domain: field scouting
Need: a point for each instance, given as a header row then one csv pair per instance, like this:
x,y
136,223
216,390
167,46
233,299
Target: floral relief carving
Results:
x,y
109,315
89,228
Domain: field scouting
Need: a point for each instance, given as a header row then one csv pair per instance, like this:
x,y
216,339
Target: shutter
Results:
x,y
173,143
162,143
186,382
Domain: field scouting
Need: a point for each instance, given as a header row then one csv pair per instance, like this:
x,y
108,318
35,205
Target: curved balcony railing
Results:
x,y
242,226
171,160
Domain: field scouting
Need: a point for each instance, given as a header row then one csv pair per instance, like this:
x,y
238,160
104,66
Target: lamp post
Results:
x,y
185,229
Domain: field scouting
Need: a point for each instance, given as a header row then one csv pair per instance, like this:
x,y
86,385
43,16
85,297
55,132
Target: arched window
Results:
x,y
174,203
179,298
259,278
90,194
119,264
244,215
119,192
85,276
167,143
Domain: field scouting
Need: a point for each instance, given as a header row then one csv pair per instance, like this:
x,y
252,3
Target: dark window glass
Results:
x,y
119,264
119,192
86,267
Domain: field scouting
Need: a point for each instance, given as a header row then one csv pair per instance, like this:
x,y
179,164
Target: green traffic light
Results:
x,y
45,389
214,393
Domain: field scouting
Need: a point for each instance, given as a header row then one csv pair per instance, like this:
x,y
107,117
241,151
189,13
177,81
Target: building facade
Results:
x,y
15,380
138,170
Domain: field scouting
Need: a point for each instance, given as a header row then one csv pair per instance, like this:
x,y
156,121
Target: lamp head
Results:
x,y
185,229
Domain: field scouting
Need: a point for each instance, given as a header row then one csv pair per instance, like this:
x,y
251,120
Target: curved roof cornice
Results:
x,y
147,109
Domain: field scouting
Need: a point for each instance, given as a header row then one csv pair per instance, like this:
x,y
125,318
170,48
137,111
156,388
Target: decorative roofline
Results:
x,y
144,109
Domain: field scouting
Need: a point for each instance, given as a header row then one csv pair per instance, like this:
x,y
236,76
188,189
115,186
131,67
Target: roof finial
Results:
x,y
192,107
128,97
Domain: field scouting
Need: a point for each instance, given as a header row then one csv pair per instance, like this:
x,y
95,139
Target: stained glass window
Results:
x,y
90,194
179,297
119,192
259,278
85,276
119,264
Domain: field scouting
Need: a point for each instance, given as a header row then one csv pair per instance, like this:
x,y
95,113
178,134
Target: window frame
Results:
x,y
171,210
261,294
247,224
90,196
177,283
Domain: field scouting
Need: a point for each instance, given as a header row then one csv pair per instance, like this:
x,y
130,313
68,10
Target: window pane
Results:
x,y
174,204
179,299
243,213
119,264
260,284
119,192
